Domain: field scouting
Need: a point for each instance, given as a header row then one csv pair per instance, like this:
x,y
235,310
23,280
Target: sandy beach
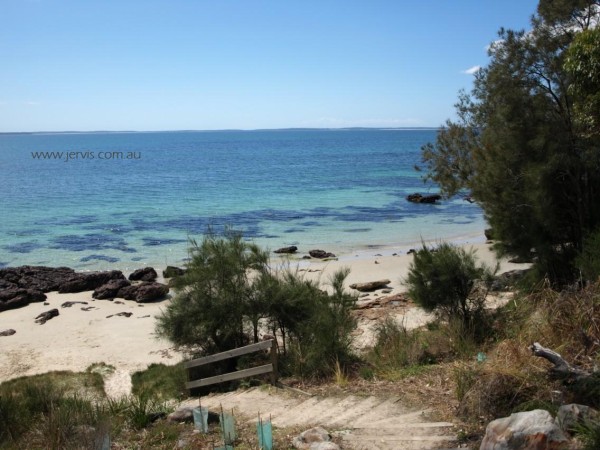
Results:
x,y
77,338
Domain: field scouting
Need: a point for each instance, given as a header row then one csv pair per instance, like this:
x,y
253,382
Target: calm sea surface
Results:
x,y
124,200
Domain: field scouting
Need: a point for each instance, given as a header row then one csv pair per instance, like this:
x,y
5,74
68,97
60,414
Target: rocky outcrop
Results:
x,y
532,430
370,286
418,198
110,290
289,250
320,254
47,279
172,271
147,292
89,281
16,297
143,292
144,274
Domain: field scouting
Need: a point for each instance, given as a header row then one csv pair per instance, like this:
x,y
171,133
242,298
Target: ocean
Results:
x,y
95,201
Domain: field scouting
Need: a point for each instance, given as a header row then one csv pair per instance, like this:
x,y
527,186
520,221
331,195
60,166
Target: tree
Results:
x,y
217,296
517,145
229,290
441,280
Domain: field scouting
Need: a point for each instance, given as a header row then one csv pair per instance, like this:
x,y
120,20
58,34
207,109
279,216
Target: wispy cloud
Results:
x,y
32,103
472,70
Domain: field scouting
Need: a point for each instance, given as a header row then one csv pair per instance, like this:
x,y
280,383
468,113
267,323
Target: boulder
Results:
x,y
321,254
313,436
289,250
16,297
172,271
46,316
489,234
532,430
147,292
418,198
370,286
569,416
110,289
144,274
89,281
39,278
128,292
8,332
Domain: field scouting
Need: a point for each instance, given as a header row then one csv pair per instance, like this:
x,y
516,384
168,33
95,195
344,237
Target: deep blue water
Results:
x,y
124,200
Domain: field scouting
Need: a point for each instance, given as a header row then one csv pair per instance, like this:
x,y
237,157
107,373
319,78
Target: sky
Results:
x,y
149,65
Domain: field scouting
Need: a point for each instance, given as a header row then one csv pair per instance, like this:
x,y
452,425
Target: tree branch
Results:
x,y
562,369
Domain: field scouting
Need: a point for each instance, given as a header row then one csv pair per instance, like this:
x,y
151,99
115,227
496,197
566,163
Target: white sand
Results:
x,y
75,339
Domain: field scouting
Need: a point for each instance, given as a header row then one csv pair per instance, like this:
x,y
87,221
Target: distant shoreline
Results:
x,y
221,130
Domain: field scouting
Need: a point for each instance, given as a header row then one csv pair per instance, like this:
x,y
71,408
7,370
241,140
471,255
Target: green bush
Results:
x,y
588,261
442,280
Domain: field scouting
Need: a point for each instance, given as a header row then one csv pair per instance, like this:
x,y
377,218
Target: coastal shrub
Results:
x,y
442,280
216,295
321,342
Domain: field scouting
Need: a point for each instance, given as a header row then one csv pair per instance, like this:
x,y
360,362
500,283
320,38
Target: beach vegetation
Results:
x,y
229,296
161,381
525,141
448,281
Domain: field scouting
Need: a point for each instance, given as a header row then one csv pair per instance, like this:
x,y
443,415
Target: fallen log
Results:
x,y
562,369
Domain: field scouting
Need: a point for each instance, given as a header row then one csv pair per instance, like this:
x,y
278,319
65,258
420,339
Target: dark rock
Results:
x,y
489,234
128,292
8,332
370,286
185,414
411,251
46,316
39,278
89,281
570,417
290,249
147,292
172,271
532,430
144,274
88,308
110,289
320,254
16,297
69,304
306,257
418,198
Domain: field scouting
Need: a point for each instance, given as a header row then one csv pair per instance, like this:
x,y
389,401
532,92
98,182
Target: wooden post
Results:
x,y
274,361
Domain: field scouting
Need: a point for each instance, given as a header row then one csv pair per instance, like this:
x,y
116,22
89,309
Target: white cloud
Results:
x,y
472,70
32,103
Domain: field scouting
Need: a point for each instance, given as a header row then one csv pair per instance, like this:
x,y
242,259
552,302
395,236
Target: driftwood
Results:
x,y
562,369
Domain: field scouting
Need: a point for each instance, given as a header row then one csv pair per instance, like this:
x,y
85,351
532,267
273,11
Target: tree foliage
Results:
x,y
441,280
522,145
230,293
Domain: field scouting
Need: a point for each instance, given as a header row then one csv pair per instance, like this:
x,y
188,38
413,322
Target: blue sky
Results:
x,y
247,64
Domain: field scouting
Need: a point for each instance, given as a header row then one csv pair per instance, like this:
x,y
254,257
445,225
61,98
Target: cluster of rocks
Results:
x,y
317,253
146,291
537,429
22,285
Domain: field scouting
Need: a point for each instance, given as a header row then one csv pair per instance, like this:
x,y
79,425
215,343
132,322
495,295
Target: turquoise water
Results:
x,y
124,200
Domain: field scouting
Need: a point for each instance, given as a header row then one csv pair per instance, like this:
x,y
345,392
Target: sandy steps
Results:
x,y
364,422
